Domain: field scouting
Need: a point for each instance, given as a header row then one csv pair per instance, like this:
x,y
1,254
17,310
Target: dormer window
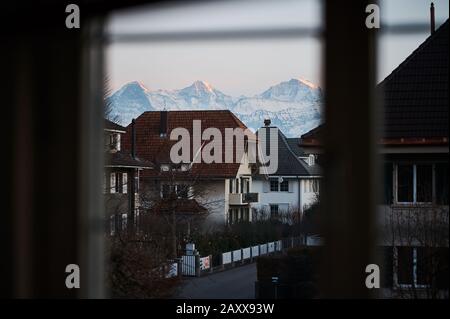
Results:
x,y
114,142
175,168
311,160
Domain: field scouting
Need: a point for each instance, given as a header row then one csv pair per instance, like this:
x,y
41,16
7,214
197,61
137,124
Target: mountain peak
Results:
x,y
134,85
304,82
202,86
294,90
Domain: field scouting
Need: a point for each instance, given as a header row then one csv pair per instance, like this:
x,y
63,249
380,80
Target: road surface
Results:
x,y
236,283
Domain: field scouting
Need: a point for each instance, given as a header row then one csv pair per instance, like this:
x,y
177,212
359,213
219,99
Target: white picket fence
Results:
x,y
240,255
189,264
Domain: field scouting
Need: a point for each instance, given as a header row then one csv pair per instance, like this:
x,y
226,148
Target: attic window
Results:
x,y
114,142
311,160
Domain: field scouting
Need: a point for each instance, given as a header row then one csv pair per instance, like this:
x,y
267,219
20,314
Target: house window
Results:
x,y
315,185
246,216
231,182
182,191
424,183
405,181
118,183
284,186
165,168
414,183
311,160
273,210
233,215
114,142
442,191
274,185
166,190
414,266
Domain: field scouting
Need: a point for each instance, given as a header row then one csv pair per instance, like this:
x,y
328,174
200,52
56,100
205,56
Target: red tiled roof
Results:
x,y
109,125
151,147
180,206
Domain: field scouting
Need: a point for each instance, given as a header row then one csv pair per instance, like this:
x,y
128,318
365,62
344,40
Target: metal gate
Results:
x,y
188,265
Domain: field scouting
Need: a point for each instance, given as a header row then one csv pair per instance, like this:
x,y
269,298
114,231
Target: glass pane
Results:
x,y
405,265
405,183
442,183
424,183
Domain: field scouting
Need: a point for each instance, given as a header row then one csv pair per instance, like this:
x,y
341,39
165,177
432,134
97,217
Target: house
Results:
x,y
414,144
413,216
295,184
121,179
311,143
224,189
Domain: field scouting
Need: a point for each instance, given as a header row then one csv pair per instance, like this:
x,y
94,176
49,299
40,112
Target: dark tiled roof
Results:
x,y
288,162
294,144
150,146
124,159
113,126
315,133
416,92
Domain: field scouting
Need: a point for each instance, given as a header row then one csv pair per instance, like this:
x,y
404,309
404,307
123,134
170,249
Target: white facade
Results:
x,y
299,194
224,197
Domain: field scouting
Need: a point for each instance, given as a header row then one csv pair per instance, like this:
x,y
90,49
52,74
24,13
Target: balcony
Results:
x,y
243,198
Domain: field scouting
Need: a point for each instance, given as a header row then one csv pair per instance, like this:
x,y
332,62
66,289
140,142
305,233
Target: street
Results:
x,y
236,283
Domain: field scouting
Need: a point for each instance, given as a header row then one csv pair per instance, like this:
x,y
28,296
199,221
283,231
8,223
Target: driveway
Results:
x,y
236,283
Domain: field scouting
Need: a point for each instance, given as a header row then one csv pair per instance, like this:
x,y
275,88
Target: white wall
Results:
x,y
214,199
266,198
292,198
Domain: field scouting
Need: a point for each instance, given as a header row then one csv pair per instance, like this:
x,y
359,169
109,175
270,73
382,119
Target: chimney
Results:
x,y
163,125
267,122
133,138
432,20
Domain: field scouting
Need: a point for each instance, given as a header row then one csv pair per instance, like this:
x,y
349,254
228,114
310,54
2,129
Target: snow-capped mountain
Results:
x,y
294,106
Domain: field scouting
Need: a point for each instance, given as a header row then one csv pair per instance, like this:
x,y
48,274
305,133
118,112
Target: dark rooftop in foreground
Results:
x,y
416,92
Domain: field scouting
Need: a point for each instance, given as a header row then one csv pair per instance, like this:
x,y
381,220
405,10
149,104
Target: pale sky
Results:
x,y
243,67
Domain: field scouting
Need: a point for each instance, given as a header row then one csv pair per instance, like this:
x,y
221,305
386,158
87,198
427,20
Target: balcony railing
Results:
x,y
243,198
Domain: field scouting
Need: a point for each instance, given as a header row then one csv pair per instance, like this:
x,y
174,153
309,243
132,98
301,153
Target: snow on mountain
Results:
x,y
129,102
295,106
294,90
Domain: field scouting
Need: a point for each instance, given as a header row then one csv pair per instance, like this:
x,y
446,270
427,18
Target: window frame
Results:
x,y
272,206
273,180
414,264
414,181
285,183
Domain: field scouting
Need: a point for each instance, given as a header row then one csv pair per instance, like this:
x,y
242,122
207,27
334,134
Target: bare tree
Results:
x,y
424,228
181,199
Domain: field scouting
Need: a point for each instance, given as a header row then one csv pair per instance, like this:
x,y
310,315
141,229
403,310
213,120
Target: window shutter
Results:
x,y
266,185
124,183
112,185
